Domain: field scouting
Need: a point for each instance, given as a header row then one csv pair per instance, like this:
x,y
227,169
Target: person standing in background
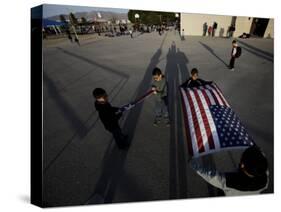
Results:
x,y
210,29
215,26
235,52
205,28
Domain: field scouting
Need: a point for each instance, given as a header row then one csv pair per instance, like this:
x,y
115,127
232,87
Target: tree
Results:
x,y
151,17
62,19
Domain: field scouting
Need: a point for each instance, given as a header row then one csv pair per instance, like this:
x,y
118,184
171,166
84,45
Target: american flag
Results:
x,y
210,123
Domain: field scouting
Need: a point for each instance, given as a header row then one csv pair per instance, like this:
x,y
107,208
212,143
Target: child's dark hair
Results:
x,y
156,71
254,161
99,92
234,41
194,71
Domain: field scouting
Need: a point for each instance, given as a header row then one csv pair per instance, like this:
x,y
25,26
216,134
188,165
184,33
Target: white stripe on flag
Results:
x,y
190,122
218,90
210,120
210,96
216,94
200,121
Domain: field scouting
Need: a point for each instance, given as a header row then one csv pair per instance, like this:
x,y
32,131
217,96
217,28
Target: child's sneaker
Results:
x,y
167,121
156,123
232,69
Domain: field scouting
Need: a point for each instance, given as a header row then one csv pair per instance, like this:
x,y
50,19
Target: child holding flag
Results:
x,y
110,116
159,87
251,176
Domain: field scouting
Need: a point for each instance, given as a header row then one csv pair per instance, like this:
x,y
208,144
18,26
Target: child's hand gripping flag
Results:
x,y
134,103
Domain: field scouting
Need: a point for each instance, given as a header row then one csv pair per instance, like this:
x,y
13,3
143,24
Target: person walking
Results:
x,y
231,30
131,33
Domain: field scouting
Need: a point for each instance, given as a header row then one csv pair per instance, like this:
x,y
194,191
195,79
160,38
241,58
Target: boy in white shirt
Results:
x,y
233,55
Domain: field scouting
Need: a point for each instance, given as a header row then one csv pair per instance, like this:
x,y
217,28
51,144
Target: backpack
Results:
x,y
238,52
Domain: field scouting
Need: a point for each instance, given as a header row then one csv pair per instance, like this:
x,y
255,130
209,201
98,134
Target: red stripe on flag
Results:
x,y
217,87
205,120
222,99
206,97
214,96
196,124
187,127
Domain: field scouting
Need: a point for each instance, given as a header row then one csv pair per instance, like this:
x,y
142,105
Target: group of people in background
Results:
x,y
211,30
120,30
137,28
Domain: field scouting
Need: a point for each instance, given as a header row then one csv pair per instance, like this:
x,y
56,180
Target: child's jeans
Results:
x,y
231,63
119,137
161,109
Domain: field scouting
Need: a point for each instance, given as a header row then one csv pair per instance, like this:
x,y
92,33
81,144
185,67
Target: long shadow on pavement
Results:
x,y
79,126
257,52
176,64
145,85
268,54
112,174
177,72
92,62
71,83
85,130
112,169
213,53
67,111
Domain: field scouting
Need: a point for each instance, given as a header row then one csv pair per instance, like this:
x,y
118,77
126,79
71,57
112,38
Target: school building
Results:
x,y
192,24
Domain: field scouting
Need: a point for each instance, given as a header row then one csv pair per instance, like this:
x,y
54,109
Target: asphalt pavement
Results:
x,y
82,165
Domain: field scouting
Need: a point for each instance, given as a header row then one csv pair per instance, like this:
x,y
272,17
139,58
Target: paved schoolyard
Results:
x,y
82,164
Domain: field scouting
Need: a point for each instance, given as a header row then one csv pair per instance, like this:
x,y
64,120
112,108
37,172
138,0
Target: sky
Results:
x,y
52,9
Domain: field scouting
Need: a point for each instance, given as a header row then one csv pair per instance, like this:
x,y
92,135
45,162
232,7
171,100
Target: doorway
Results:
x,y
259,26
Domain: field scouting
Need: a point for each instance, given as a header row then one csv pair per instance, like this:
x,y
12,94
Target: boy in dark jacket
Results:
x,y
194,81
109,116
